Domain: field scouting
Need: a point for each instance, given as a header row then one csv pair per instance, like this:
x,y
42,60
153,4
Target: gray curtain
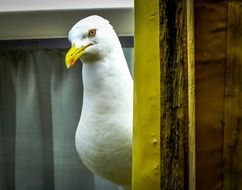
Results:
x,y
40,106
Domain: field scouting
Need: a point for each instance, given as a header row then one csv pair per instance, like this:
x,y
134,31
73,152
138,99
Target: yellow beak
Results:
x,y
73,54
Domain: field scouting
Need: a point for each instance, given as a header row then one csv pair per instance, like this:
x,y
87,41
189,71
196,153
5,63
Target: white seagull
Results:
x,y
104,133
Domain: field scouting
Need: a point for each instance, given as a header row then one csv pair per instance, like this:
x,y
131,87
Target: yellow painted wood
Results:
x,y
146,139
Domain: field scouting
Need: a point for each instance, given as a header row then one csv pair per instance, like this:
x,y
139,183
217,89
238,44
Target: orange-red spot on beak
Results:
x,y
74,54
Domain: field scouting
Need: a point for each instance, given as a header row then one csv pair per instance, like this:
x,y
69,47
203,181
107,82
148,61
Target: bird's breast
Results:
x,y
104,145
104,133
104,136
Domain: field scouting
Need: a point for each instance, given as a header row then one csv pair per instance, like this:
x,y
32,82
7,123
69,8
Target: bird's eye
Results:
x,y
92,32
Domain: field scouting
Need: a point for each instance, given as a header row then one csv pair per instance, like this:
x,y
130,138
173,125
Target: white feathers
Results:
x,y
104,133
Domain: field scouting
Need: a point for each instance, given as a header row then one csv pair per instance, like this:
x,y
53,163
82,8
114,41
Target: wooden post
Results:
x,y
164,133
146,139
191,94
233,100
177,92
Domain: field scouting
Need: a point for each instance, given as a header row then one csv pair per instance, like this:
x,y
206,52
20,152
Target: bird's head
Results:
x,y
92,38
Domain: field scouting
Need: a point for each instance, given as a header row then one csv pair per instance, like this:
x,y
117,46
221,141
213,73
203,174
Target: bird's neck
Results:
x,y
106,73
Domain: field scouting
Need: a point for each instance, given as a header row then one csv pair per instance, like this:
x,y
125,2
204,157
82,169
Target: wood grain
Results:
x,y
177,88
232,153
164,118
210,53
191,94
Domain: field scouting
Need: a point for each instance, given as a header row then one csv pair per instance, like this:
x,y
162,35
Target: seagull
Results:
x,y
104,134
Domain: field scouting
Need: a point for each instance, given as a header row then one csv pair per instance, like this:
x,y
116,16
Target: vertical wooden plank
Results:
x,y
210,48
176,88
191,94
164,88
146,138
233,100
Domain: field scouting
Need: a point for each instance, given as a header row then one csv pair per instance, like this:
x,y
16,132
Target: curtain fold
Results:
x,y
40,106
7,126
